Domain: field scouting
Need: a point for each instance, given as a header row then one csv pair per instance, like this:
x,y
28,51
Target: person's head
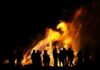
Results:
x,y
33,51
38,51
64,48
69,48
45,51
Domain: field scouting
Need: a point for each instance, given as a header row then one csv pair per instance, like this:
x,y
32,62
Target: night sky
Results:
x,y
21,22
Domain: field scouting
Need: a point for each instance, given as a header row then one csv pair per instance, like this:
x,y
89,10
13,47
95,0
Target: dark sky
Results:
x,y
21,22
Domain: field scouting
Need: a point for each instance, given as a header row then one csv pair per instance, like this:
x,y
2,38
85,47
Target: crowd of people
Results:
x,y
63,58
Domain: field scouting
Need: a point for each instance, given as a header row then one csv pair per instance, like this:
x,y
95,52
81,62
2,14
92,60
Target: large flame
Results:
x,y
67,34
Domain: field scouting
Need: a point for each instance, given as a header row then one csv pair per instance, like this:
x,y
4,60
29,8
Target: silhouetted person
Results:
x,y
61,58
65,53
80,57
38,58
19,57
1,57
11,58
70,56
86,56
55,56
46,58
33,57
97,57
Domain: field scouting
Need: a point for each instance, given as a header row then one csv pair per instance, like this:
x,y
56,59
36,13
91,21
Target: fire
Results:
x,y
27,58
67,33
63,26
6,61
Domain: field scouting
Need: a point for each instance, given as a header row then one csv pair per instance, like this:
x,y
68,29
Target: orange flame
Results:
x,y
68,35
